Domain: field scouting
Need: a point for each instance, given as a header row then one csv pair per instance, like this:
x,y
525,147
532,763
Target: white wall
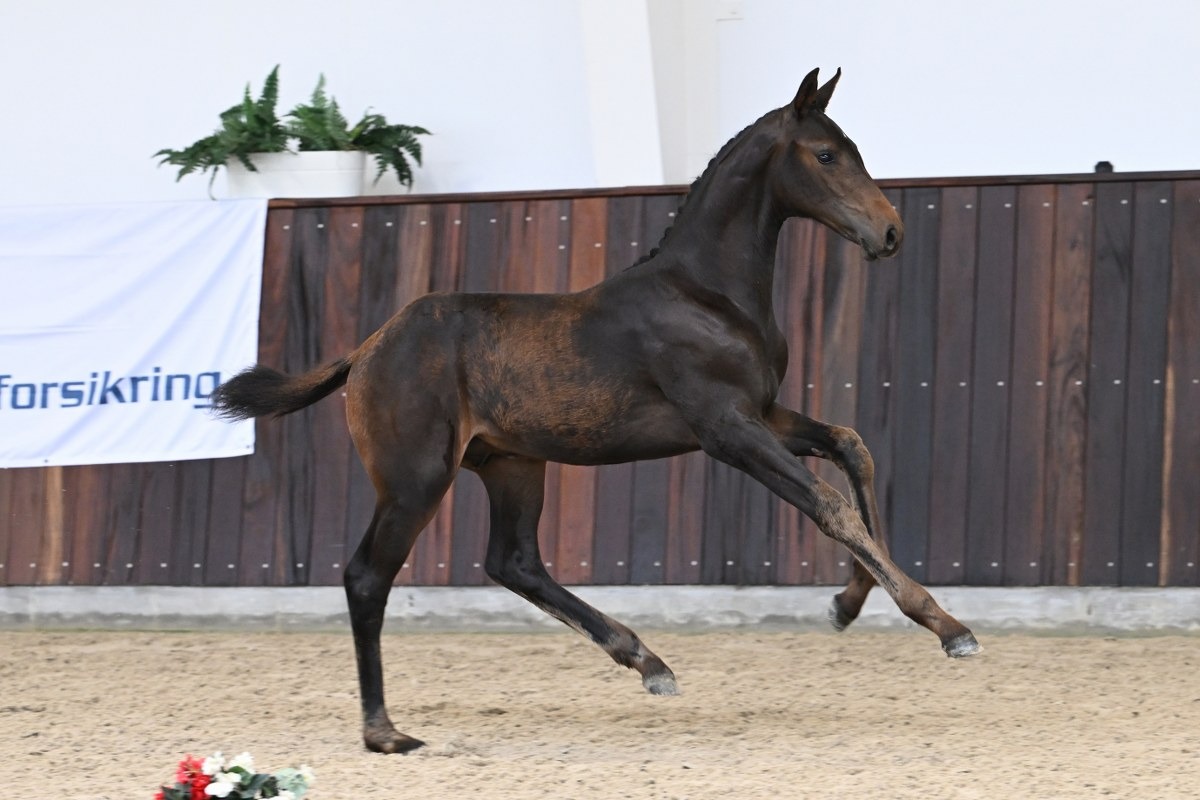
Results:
x,y
932,88
527,94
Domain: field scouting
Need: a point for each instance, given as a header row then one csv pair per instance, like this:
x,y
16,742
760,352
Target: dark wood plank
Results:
x,y
266,517
611,538
685,518
877,375
1025,507
304,289
1142,459
648,522
53,565
990,382
913,383
576,490
190,521
7,524
1066,434
225,522
26,519
1181,424
121,528
86,494
756,543
329,450
948,487
158,491
1108,359
722,517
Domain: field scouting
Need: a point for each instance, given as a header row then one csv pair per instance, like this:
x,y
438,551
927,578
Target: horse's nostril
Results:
x,y
891,239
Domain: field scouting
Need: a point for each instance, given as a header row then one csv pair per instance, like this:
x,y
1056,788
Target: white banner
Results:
x,y
116,323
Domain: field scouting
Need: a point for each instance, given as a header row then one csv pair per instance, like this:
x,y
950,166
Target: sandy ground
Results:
x,y
762,714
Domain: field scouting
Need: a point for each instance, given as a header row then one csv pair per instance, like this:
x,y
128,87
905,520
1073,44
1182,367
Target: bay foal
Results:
x,y
680,352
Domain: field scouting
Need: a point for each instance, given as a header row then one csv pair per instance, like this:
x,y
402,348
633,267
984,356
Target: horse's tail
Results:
x,y
259,391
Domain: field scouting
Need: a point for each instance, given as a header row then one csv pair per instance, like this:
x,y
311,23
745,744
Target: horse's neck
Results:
x,y
725,239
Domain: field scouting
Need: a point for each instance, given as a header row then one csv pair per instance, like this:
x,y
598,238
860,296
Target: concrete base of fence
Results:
x,y
1049,609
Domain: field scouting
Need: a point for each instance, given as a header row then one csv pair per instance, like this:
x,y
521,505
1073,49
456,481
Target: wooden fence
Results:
x,y
1027,374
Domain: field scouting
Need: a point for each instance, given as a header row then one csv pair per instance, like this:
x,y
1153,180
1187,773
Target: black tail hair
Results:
x,y
260,391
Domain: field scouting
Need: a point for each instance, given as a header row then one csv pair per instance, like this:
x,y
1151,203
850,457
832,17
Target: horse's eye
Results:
x,y
825,157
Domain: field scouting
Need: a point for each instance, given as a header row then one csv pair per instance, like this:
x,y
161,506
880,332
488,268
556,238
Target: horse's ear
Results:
x,y
806,97
826,91
810,97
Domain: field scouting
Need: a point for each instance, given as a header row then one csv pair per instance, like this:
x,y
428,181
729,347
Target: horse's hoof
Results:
x,y
391,742
662,683
838,617
962,646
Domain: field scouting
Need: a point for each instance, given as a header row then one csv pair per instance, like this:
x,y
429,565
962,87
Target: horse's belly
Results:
x,y
592,433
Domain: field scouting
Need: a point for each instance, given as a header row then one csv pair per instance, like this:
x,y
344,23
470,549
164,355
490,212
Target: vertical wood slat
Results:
x,y
1025,504
1107,359
913,383
25,522
1181,425
878,371
156,485
990,386
8,524
1066,430
86,494
951,436
1142,459
329,441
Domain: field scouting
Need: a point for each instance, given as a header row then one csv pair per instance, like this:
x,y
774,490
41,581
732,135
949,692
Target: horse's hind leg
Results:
x,y
805,436
515,489
398,521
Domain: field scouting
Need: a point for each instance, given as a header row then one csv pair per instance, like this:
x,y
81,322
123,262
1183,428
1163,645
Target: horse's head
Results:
x,y
819,174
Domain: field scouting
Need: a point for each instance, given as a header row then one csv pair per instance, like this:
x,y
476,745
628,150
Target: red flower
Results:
x,y
158,795
191,774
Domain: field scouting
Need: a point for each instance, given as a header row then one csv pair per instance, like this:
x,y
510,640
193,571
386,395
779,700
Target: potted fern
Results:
x,y
312,152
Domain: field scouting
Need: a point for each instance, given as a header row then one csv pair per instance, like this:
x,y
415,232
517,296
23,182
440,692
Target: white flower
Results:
x,y
307,774
244,761
223,783
213,764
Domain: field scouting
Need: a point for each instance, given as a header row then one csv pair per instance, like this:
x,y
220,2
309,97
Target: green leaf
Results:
x,y
251,126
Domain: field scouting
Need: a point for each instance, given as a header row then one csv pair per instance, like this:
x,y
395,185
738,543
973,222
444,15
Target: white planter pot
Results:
x,y
319,173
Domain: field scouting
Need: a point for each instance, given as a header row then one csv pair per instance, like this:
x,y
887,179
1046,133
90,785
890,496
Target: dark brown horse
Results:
x,y
678,353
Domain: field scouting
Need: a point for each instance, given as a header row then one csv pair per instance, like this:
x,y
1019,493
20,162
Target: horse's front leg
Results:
x,y
804,436
746,442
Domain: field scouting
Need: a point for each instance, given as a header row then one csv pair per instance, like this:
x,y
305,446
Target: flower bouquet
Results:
x,y
197,779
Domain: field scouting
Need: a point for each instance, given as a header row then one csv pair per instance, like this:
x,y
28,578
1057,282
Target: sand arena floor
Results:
x,y
763,714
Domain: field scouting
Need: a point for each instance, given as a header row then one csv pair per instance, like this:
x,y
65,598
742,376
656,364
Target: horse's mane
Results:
x,y
698,183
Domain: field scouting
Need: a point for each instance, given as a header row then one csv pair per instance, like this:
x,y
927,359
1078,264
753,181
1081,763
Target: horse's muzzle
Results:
x,y
888,246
